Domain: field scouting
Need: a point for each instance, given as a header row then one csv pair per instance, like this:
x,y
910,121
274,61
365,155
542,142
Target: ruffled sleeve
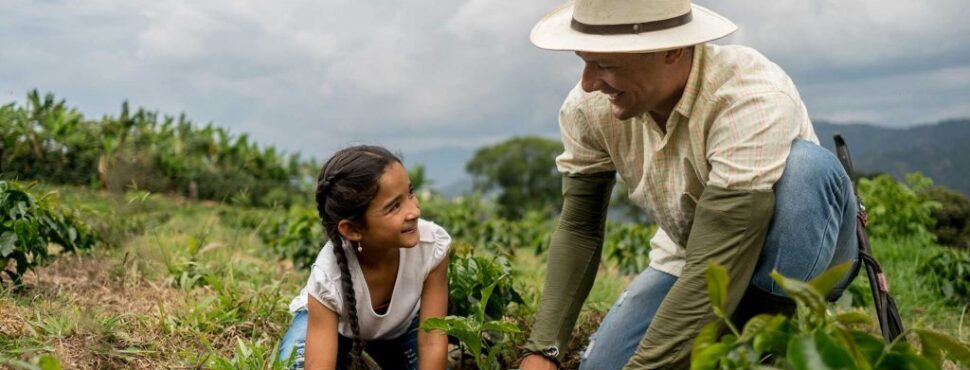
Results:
x,y
325,287
441,241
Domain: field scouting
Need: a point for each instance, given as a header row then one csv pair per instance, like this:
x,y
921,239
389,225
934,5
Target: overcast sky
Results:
x,y
312,76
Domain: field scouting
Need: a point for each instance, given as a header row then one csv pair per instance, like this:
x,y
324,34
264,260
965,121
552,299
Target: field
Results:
x,y
191,284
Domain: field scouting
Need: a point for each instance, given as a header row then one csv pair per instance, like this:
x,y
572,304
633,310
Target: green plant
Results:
x,y
470,274
298,236
815,338
949,272
249,355
29,223
899,210
485,339
952,218
628,246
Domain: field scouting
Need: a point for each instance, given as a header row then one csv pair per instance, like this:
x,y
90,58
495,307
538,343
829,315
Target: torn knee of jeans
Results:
x,y
589,348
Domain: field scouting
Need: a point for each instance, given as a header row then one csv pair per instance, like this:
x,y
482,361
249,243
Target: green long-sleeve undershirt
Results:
x,y
729,228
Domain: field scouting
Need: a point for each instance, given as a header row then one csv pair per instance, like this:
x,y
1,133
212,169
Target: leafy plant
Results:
x,y
628,246
952,218
28,224
485,339
949,272
899,210
298,236
815,338
470,274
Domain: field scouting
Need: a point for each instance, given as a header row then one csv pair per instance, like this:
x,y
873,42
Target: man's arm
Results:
x,y
574,256
729,228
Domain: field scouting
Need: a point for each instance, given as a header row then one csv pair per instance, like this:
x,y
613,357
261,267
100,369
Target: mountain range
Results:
x,y
940,151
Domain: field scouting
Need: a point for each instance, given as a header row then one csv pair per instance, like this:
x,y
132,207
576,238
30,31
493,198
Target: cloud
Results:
x,y
315,75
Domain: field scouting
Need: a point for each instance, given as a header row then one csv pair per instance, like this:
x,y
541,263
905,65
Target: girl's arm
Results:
x,y
433,346
320,352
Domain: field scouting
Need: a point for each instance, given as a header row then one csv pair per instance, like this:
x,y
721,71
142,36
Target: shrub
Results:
x,y
949,272
628,246
28,224
952,218
898,210
815,338
470,274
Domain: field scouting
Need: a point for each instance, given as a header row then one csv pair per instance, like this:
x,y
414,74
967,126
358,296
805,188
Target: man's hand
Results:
x,y
537,362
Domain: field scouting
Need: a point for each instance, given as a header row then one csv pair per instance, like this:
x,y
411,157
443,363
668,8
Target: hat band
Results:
x,y
631,28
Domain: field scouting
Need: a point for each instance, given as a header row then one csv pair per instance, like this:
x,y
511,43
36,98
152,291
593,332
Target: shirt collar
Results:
x,y
693,87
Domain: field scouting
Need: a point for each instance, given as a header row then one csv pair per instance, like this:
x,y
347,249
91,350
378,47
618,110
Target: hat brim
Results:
x,y
553,32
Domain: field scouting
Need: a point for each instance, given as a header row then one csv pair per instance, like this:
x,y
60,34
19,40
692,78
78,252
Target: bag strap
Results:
x,y
890,322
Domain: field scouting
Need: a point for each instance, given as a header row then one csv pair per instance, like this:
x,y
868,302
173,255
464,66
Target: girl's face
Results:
x,y
392,217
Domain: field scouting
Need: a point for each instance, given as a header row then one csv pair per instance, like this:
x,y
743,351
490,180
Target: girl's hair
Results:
x,y
348,182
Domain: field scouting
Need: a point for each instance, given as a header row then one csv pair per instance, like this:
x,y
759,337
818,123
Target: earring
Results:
x,y
359,248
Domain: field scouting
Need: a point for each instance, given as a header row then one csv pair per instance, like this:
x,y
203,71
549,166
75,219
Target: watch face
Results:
x,y
551,351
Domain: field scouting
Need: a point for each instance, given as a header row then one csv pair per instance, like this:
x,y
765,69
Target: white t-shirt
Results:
x,y
415,265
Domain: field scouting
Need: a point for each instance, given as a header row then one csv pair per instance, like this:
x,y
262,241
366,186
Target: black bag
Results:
x,y
889,321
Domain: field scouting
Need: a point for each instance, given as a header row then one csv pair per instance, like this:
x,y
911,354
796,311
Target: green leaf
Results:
x,y
717,287
501,327
869,346
954,348
827,281
803,293
819,351
48,362
853,318
755,326
8,242
902,355
706,338
775,337
708,358
930,348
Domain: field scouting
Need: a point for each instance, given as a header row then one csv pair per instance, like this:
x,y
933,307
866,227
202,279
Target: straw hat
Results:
x,y
628,26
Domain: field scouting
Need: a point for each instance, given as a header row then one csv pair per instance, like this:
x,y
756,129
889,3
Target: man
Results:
x,y
715,143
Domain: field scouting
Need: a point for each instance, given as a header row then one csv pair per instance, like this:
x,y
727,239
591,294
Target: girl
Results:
x,y
383,271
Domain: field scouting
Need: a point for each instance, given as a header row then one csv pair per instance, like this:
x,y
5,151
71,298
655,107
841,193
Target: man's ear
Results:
x,y
349,230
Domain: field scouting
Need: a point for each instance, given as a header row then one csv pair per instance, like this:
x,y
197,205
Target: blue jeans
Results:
x,y
813,228
399,353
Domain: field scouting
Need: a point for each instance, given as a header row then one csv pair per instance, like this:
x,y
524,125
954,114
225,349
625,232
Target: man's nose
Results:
x,y
591,81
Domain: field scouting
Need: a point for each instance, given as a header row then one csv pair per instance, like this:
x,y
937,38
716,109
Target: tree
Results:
x,y
522,171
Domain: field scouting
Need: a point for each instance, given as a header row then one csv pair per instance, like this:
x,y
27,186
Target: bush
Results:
x,y
949,272
898,210
628,246
815,338
298,236
28,224
952,218
469,274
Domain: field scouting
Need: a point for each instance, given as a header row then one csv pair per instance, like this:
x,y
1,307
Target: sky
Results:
x,y
419,75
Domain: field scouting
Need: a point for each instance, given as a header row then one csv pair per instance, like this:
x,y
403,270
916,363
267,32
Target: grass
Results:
x,y
186,285
128,305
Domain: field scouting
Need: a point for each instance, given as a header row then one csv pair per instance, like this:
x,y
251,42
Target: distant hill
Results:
x,y
941,151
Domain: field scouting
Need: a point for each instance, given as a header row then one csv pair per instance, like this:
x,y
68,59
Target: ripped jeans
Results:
x,y
813,228
399,353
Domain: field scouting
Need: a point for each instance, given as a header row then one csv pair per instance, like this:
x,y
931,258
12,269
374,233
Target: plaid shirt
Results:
x,y
732,128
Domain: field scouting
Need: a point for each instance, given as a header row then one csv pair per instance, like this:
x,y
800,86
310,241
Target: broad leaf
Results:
x,y
717,287
827,281
803,293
